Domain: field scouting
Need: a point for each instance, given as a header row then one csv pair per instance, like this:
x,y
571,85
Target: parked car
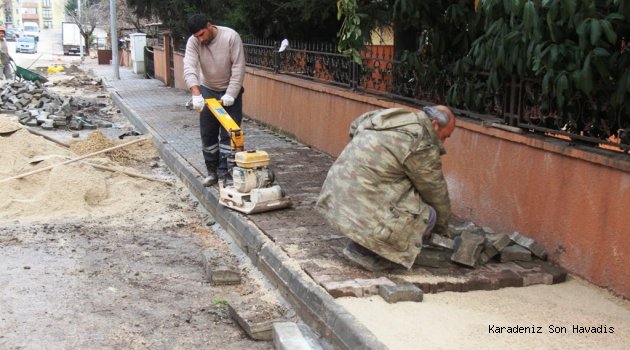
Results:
x,y
11,34
26,44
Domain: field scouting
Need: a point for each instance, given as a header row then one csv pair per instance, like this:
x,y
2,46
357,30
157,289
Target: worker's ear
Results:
x,y
436,125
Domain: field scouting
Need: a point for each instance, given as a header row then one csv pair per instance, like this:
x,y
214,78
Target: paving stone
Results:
x,y
501,242
489,251
371,286
434,257
489,248
441,241
217,270
533,246
558,273
256,318
287,336
537,277
48,125
479,282
348,288
468,247
401,292
359,287
515,253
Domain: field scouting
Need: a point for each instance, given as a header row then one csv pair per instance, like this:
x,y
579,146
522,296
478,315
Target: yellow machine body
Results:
x,y
252,159
237,139
253,189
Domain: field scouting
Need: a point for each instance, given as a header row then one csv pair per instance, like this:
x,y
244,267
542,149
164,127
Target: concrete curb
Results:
x,y
316,307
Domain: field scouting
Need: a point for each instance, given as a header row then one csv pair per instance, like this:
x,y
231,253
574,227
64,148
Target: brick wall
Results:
x,y
576,202
160,64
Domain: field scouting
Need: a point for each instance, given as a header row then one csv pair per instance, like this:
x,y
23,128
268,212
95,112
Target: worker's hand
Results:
x,y
198,102
227,100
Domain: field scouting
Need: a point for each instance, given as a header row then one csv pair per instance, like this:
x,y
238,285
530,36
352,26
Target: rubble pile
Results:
x,y
35,105
473,246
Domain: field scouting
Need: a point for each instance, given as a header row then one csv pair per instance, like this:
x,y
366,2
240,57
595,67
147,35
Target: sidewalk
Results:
x,y
294,247
272,240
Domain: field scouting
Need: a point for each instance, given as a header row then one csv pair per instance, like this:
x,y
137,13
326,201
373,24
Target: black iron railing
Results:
x,y
380,74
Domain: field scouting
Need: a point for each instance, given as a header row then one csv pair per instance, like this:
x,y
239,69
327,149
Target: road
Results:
x,y
98,260
49,51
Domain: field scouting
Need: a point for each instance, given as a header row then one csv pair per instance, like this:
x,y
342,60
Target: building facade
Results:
x,y
47,13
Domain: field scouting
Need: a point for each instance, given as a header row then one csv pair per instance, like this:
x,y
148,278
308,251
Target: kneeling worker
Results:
x,y
386,191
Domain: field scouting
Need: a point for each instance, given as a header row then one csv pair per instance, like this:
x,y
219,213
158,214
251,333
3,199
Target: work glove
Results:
x,y
198,102
227,100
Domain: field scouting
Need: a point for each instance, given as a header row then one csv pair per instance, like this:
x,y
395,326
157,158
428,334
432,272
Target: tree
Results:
x,y
91,16
569,58
306,20
127,19
311,20
174,13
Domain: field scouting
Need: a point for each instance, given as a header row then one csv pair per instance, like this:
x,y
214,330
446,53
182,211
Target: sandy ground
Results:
x,y
471,320
97,259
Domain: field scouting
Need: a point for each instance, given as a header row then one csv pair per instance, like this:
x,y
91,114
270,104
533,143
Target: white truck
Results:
x,y
31,29
71,38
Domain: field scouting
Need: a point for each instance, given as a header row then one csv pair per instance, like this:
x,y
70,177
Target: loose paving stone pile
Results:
x,y
35,105
475,246
475,259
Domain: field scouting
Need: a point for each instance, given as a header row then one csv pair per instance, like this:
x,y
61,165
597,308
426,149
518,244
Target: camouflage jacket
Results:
x,y
379,189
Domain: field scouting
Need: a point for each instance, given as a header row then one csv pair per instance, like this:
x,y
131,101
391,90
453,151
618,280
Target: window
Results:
x,y
45,3
48,24
47,13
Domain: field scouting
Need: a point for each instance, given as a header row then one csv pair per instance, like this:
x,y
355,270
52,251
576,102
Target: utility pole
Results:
x,y
80,32
112,14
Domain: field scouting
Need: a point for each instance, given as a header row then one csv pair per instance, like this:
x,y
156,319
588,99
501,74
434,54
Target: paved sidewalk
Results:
x,y
294,247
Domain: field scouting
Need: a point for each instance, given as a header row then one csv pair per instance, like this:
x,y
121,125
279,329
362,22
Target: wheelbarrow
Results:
x,y
26,74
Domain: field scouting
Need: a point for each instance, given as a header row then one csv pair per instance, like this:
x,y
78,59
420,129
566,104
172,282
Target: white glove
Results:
x,y
198,102
227,100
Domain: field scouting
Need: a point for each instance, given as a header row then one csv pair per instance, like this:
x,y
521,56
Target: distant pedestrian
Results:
x,y
5,58
386,191
214,66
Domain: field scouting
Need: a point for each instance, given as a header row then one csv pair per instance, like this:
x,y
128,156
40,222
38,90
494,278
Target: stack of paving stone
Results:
x,y
35,105
473,246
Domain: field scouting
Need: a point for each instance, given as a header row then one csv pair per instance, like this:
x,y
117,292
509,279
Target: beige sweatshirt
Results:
x,y
222,62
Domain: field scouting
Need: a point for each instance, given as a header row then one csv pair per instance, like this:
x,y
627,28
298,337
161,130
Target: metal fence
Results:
x,y
381,75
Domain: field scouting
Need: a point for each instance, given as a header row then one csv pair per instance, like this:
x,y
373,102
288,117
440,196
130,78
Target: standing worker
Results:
x,y
5,59
386,191
218,52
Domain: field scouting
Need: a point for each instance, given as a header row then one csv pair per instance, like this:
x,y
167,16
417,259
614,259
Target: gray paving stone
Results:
x,y
468,247
287,336
256,318
515,253
218,270
533,246
401,292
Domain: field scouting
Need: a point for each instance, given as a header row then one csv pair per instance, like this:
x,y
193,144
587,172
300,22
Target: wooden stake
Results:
x,y
49,138
129,173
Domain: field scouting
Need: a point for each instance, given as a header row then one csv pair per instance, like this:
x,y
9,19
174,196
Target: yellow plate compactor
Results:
x,y
253,189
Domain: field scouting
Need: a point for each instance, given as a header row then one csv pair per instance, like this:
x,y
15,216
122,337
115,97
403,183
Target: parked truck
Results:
x,y
31,29
71,38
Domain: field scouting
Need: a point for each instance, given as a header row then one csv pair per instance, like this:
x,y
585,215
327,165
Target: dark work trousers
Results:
x,y
214,138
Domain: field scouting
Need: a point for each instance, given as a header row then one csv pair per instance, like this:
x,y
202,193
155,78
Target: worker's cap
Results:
x,y
2,29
